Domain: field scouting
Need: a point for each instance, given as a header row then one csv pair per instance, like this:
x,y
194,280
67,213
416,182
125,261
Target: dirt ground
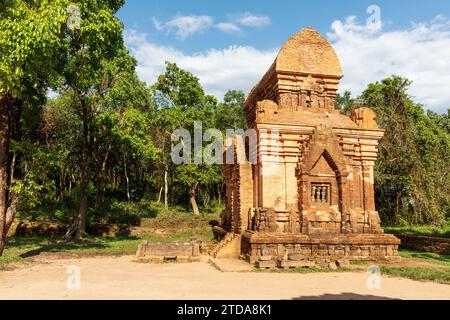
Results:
x,y
121,278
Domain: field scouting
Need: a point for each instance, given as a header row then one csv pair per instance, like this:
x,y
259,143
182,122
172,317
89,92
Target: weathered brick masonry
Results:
x,y
310,195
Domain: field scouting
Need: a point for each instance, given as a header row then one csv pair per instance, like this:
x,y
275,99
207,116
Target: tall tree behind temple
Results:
x,y
345,103
412,181
230,113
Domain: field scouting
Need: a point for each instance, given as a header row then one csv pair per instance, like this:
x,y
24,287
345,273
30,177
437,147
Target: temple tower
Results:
x,y
310,192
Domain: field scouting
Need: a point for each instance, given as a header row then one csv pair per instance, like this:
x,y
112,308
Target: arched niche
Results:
x,y
323,188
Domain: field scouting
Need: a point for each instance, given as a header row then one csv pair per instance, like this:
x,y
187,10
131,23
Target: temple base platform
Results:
x,y
297,250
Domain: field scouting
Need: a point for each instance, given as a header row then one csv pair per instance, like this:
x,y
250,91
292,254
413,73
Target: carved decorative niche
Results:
x,y
321,194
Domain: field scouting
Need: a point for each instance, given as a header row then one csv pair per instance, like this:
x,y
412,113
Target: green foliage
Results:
x,y
419,273
435,258
131,131
412,181
31,35
412,177
50,212
345,103
103,112
121,213
230,114
441,231
7,259
35,187
193,174
98,39
181,88
181,101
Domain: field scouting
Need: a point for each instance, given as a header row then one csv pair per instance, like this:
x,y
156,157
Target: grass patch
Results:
x,y
160,226
438,271
119,213
6,259
443,231
426,256
358,262
29,247
441,275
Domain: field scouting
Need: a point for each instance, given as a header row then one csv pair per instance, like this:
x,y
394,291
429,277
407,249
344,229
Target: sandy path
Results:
x,y
120,278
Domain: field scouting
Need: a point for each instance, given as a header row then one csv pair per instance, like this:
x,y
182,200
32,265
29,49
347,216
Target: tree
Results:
x,y
412,179
182,101
230,113
345,103
31,35
124,120
99,38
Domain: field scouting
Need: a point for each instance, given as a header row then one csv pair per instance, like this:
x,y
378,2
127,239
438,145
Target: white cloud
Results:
x,y
228,27
420,53
185,26
250,20
235,67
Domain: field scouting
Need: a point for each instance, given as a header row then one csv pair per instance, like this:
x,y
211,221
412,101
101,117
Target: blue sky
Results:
x,y
208,37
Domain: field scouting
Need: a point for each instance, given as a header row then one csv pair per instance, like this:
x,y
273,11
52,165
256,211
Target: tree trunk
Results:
x,y
85,168
166,187
4,166
98,191
82,212
160,194
100,184
206,199
219,193
193,201
127,178
9,127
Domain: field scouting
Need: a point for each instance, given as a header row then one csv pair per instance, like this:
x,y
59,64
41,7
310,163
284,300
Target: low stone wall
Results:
x,y
425,243
45,229
177,251
275,247
36,229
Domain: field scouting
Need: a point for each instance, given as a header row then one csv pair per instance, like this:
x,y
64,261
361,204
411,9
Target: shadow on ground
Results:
x,y
61,247
64,246
343,296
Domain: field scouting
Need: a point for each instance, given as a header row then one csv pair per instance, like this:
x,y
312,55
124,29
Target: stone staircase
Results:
x,y
228,247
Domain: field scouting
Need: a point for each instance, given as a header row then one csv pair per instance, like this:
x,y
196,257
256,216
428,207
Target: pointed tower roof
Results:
x,y
308,52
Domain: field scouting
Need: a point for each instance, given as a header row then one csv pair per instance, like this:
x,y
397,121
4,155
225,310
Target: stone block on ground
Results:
x,y
343,263
265,264
332,266
285,264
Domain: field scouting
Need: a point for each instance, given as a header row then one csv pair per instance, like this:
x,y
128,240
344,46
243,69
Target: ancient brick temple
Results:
x,y
314,200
